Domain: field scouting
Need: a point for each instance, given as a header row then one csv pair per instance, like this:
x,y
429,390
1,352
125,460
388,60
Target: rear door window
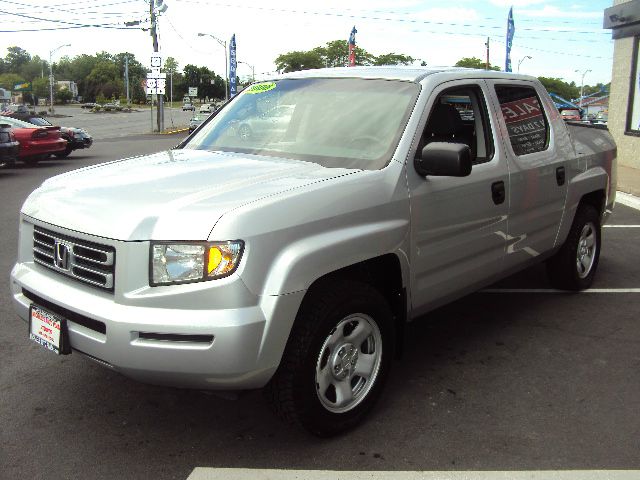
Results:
x,y
524,117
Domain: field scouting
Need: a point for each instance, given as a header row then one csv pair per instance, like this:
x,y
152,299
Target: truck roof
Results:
x,y
406,73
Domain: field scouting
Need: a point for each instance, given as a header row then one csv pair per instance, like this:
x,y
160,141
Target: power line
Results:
x,y
572,54
403,20
77,25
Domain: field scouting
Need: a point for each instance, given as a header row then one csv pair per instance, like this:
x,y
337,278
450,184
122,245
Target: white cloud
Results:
x,y
554,12
516,3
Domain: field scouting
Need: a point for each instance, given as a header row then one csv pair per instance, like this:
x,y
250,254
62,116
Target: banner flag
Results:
x,y
233,65
511,29
352,47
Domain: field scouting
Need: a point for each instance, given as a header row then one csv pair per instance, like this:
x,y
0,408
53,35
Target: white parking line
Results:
x,y
628,200
553,290
201,473
621,226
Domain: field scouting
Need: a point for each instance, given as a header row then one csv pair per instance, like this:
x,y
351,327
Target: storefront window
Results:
x,y
633,112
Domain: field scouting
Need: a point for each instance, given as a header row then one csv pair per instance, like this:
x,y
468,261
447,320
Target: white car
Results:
x,y
205,108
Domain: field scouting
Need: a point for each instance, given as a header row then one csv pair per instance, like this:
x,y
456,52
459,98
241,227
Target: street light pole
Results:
x,y
226,63
51,52
522,60
253,71
582,85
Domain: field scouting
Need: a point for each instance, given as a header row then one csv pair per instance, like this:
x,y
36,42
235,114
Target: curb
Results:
x,y
172,132
201,473
628,199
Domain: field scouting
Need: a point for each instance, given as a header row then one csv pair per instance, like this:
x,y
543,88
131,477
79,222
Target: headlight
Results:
x,y
193,262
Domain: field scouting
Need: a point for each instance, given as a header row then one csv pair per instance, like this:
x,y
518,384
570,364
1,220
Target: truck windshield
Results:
x,y
344,123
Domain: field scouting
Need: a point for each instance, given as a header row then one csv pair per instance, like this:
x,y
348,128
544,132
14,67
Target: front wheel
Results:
x,y
336,360
574,266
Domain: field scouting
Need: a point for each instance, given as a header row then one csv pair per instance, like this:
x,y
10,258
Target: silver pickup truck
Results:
x,y
287,240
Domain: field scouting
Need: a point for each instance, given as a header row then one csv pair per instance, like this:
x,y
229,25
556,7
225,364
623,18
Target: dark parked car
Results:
x,y
77,138
9,146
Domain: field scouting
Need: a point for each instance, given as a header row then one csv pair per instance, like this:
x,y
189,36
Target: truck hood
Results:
x,y
172,195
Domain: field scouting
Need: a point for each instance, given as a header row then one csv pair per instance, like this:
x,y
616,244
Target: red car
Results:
x,y
570,114
36,143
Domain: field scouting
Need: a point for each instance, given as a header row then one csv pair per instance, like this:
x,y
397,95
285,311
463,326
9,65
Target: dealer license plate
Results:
x,y
48,329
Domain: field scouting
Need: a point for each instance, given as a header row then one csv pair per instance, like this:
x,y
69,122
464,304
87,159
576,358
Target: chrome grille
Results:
x,y
85,261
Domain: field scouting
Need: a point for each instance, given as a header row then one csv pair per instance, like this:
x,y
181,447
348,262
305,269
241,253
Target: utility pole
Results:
x,y
154,36
126,77
487,45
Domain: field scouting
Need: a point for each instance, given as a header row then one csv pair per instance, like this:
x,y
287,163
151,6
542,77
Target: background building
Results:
x,y
624,103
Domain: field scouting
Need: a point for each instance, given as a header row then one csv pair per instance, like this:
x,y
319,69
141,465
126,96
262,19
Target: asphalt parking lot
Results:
x,y
517,377
104,125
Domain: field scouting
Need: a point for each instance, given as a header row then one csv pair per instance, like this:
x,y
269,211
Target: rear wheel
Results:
x,y
66,153
574,266
336,360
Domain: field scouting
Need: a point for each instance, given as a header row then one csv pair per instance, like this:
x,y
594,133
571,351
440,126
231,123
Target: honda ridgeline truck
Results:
x,y
288,239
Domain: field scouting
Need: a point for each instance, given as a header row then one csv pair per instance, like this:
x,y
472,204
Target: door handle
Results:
x,y
560,176
498,192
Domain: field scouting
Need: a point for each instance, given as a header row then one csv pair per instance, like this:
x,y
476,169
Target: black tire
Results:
x,y
311,358
65,154
32,161
574,266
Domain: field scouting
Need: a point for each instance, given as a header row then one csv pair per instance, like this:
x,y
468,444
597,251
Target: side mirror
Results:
x,y
442,159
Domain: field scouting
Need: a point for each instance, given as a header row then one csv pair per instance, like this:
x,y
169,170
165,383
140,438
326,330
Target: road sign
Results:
x,y
156,74
22,87
156,86
193,91
156,60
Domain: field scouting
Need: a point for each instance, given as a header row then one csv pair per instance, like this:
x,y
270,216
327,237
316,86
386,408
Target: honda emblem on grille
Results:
x,y
62,255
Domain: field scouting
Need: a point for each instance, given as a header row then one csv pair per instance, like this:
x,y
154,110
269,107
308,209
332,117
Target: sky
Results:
x,y
563,39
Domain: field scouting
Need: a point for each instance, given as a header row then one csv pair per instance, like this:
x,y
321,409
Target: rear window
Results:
x,y
524,116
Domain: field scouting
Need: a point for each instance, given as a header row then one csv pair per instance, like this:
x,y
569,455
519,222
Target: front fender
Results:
x,y
304,261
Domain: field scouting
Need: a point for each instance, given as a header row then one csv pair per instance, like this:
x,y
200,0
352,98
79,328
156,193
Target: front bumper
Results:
x,y
209,335
81,141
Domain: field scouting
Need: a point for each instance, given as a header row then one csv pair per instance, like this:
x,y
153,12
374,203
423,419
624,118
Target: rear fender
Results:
x,y
593,180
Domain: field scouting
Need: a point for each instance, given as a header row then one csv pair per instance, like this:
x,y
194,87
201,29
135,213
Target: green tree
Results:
x,y
36,67
40,87
558,86
16,57
336,54
105,78
393,59
298,60
209,84
9,80
171,65
474,62
63,95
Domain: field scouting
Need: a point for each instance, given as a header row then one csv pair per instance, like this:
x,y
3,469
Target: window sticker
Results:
x,y
261,87
526,125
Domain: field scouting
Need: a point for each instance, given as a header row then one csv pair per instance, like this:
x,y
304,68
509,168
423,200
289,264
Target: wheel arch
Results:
x,y
385,274
588,188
